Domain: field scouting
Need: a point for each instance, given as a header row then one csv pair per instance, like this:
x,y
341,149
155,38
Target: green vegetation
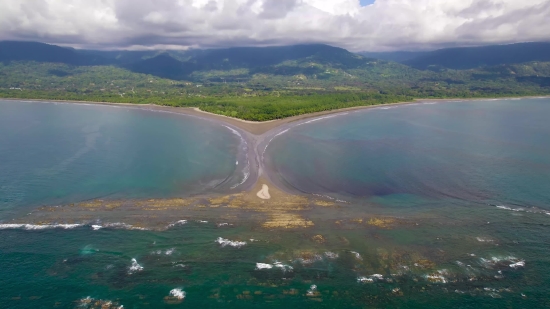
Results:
x,y
241,83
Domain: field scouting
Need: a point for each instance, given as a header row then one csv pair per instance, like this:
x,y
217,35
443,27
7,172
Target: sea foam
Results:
x,y
30,227
226,242
135,267
178,293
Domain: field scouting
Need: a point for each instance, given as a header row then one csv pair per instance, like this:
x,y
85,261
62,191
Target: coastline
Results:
x,y
283,202
260,128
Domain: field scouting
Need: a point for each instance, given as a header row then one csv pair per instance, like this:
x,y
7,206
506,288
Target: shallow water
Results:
x,y
489,152
458,192
54,153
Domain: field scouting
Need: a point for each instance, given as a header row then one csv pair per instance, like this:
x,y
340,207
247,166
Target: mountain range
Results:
x,y
314,59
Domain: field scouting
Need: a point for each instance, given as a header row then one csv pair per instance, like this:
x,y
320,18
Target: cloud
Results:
x,y
384,25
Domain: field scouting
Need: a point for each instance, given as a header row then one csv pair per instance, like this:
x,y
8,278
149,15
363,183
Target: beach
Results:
x,y
259,191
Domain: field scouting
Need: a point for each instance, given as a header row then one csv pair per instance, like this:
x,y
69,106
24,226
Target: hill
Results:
x,y
475,57
256,83
164,66
283,60
40,52
397,56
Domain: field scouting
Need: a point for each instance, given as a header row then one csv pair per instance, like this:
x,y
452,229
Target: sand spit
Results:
x,y
256,127
260,196
281,211
264,193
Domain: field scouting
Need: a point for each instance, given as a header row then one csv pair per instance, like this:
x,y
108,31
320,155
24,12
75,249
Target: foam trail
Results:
x,y
246,169
299,124
274,136
226,242
30,227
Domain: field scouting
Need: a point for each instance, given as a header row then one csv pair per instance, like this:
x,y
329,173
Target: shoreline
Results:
x,y
260,128
256,137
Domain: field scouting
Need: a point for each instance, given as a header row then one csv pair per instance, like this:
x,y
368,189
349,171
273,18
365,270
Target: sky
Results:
x,y
357,25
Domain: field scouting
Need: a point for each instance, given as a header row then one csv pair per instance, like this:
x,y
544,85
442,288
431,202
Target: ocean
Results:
x,y
440,205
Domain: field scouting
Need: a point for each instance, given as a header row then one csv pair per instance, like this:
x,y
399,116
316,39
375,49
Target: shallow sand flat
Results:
x,y
264,193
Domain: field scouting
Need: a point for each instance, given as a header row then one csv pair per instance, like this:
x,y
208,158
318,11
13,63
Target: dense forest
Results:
x,y
261,83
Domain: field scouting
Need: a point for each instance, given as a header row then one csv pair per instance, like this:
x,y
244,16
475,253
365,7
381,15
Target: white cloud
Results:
x,y
385,25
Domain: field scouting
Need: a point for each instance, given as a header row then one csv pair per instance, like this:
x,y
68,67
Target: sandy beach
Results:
x,y
259,128
269,198
261,184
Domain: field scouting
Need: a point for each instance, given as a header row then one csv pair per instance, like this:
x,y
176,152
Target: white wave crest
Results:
x,y
246,169
10,226
365,280
226,242
357,255
180,222
517,264
436,278
135,267
260,266
312,290
520,209
283,267
120,225
178,293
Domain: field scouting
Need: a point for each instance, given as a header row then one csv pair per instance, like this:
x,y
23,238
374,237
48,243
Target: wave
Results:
x,y
502,262
134,267
312,290
357,255
321,118
436,277
274,136
296,125
10,226
521,209
120,225
89,302
279,265
167,252
246,169
178,293
329,197
177,223
226,242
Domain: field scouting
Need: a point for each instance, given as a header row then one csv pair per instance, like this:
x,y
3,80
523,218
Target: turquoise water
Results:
x,y
63,153
468,181
494,152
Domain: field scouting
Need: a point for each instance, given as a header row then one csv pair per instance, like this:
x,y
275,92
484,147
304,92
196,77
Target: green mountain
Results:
x,y
284,60
397,56
163,65
269,82
40,52
475,57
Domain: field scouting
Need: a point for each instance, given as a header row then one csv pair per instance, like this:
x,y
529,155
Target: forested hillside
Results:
x,y
249,83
